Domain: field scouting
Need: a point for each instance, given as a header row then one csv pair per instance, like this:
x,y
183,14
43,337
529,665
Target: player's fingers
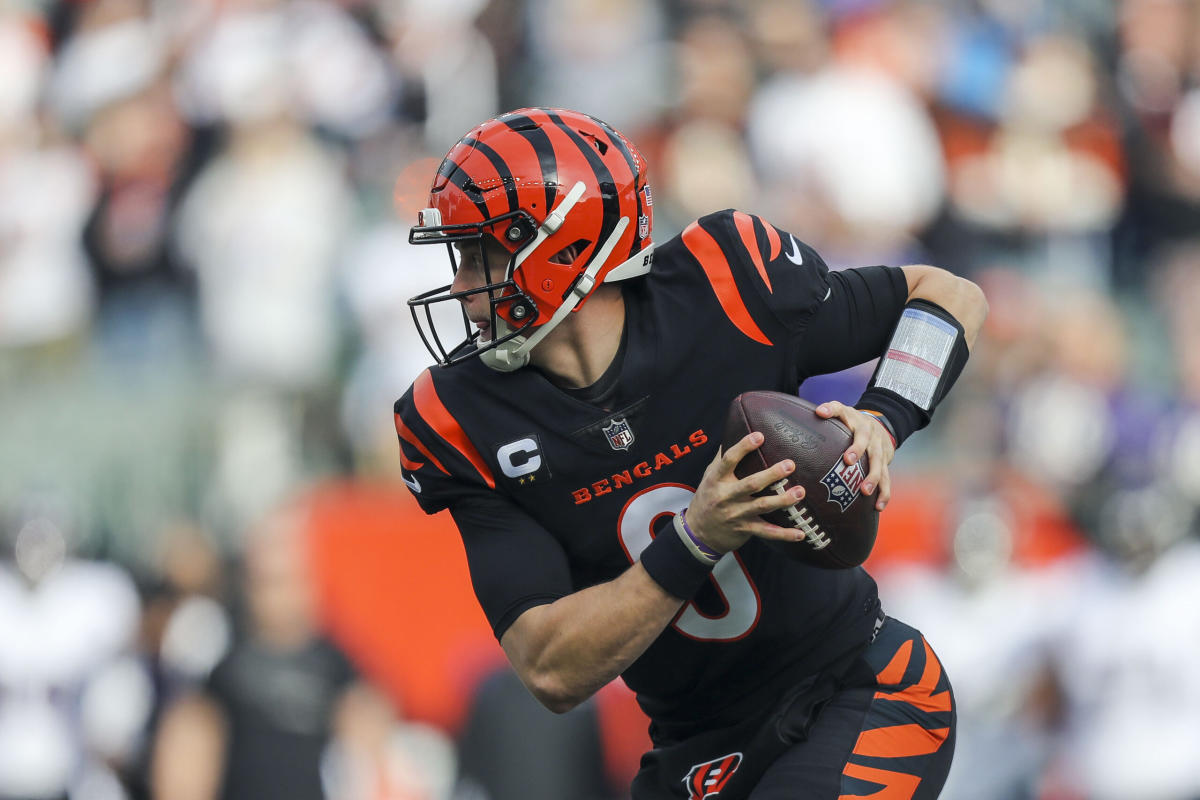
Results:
x,y
861,433
728,459
765,530
830,408
885,491
777,501
752,484
877,468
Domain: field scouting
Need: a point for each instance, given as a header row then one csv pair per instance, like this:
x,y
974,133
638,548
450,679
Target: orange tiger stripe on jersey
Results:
x,y
704,248
412,439
921,694
893,673
896,785
773,240
900,741
408,463
438,417
745,227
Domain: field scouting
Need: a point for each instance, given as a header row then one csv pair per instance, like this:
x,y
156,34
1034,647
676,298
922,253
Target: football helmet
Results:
x,y
565,197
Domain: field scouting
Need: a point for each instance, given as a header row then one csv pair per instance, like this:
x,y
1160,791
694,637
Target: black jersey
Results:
x,y
553,494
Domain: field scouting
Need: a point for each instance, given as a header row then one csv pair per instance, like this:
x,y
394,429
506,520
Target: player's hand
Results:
x,y
724,512
871,438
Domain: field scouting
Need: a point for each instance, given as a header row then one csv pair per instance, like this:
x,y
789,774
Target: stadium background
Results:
x,y
203,268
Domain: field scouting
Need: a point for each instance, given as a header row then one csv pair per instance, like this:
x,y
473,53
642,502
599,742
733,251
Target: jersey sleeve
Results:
x,y
438,462
854,323
515,563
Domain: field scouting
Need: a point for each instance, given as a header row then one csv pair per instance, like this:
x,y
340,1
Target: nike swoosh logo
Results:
x,y
828,291
412,482
796,257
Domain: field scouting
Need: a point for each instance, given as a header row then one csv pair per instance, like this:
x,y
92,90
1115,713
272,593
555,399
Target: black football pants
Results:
x,y
885,731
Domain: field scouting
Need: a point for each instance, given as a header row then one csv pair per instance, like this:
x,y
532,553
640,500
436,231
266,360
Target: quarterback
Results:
x,y
580,417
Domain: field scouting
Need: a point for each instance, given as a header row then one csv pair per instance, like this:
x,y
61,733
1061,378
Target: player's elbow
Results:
x,y
959,296
975,308
553,692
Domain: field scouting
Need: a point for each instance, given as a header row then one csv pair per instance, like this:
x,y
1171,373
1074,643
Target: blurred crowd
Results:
x,y
203,272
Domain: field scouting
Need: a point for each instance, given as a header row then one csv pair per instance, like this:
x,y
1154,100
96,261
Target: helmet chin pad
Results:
x,y
503,358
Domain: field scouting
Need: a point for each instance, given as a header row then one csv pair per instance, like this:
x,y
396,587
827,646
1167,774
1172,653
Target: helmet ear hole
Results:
x,y
518,231
521,309
568,254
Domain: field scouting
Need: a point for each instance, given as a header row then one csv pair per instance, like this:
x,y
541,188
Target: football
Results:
x,y
839,524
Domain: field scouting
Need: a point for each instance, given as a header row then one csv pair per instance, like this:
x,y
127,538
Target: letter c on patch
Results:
x,y
519,458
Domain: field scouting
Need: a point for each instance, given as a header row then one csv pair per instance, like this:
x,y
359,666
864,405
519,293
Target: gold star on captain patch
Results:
x,y
529,478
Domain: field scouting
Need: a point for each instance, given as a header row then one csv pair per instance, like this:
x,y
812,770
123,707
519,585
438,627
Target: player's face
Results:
x,y
479,263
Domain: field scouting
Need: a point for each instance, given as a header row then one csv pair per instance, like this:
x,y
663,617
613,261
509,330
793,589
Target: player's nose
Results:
x,y
462,283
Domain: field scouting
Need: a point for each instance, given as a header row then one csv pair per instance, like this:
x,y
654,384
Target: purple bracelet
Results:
x,y
704,549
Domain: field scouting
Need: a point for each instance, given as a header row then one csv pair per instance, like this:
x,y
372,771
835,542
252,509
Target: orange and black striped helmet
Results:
x,y
566,197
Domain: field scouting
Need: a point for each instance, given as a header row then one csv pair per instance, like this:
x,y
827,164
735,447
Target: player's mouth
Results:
x,y
484,326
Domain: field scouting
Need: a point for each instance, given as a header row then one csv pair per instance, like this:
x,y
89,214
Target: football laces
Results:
x,y
802,519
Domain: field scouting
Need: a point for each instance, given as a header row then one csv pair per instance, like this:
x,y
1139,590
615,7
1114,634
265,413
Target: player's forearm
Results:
x,y
962,298
567,650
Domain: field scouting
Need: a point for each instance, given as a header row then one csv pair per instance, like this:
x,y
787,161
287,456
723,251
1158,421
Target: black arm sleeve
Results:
x,y
515,563
855,321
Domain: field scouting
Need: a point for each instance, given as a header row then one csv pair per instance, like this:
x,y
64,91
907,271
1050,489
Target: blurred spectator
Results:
x,y
716,82
46,193
1080,425
437,47
261,59
1040,181
186,628
113,53
818,143
261,226
512,748
1128,622
142,150
605,57
25,61
73,698
284,713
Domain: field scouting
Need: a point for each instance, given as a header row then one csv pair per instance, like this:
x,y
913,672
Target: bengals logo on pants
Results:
x,y
708,779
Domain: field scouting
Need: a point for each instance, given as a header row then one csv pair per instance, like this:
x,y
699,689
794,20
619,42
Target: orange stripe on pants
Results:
x,y
896,785
899,741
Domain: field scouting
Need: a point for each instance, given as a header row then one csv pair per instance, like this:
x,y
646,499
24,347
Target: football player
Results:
x,y
574,433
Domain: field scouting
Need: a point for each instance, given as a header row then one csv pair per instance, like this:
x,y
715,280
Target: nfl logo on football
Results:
x,y
620,435
843,481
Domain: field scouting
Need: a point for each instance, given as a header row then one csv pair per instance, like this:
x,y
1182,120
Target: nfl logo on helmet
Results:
x,y
620,435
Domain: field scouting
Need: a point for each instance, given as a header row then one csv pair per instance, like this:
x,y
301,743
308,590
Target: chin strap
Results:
x,y
514,354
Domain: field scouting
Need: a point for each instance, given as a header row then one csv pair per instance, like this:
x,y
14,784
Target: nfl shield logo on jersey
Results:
x,y
620,435
708,779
